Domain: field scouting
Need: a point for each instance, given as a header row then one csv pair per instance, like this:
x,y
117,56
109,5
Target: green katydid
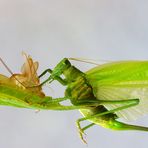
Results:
x,y
102,94
109,91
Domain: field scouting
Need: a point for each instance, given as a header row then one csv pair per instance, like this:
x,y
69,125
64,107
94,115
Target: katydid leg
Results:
x,y
95,102
44,72
54,104
88,126
126,104
51,78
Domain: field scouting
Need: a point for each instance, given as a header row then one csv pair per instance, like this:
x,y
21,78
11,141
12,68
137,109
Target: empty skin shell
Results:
x,y
28,79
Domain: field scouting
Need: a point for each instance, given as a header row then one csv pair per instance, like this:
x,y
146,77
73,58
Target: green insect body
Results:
x,y
110,91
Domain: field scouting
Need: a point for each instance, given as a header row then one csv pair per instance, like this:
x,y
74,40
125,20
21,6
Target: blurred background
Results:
x,y
51,30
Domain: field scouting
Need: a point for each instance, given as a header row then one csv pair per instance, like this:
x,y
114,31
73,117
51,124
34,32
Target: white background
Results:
x,y
51,30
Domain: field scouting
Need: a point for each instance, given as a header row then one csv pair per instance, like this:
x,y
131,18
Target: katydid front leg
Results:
x,y
52,78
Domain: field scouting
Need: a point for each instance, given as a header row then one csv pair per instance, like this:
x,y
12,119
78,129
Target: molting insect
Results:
x,y
102,94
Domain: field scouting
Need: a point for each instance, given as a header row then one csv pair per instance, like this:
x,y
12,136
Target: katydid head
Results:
x,y
63,68
67,70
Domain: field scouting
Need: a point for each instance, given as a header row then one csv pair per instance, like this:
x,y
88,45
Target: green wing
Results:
x,y
121,81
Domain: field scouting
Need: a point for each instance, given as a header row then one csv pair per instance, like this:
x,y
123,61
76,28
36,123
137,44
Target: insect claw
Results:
x,y
82,137
81,132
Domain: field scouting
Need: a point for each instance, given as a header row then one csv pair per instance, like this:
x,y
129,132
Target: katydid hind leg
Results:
x,y
92,102
126,104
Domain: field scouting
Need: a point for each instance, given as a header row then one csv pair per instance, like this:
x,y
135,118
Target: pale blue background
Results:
x,y
50,30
